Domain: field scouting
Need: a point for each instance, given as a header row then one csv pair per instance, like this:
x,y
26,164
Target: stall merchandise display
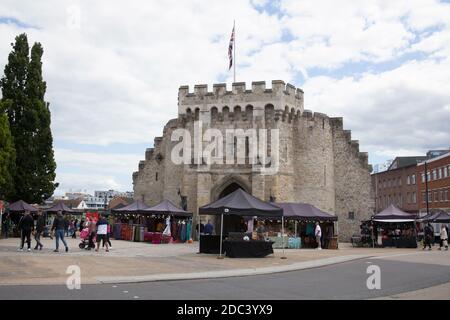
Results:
x,y
294,243
278,242
117,229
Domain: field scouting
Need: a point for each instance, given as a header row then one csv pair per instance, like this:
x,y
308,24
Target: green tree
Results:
x,y
7,156
29,119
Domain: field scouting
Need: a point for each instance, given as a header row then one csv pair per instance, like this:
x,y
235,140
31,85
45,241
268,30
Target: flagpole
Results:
x,y
234,51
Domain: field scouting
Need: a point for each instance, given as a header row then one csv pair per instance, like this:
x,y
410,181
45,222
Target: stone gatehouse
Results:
x,y
317,160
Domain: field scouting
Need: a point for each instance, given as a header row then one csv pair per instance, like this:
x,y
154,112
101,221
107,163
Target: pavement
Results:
x,y
415,275
131,262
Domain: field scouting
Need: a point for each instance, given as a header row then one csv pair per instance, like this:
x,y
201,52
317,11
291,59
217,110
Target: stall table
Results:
x,y
210,244
247,249
400,242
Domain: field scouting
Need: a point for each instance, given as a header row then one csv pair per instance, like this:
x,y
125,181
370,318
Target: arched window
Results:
x,y
269,111
249,111
225,112
214,113
197,114
237,112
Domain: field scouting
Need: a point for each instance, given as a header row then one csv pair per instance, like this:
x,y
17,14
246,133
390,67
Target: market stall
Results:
x,y
130,224
15,211
162,223
240,203
395,228
300,219
178,223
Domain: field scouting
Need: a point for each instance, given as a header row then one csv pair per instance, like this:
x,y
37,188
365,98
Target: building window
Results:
x,y
440,173
399,181
423,197
413,179
434,174
441,195
428,176
351,215
445,195
423,177
429,196
408,181
445,172
414,197
436,196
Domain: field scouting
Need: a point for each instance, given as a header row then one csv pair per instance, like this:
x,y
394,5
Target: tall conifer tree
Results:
x,y
29,119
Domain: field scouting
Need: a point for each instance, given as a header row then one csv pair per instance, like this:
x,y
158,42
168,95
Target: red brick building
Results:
x,y
398,185
438,174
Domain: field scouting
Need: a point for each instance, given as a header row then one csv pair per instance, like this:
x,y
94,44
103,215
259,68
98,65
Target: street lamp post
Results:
x,y
426,186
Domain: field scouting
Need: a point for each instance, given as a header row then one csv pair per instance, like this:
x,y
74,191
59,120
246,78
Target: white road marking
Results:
x,y
125,291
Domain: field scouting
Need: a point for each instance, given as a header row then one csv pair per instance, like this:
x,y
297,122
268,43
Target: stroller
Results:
x,y
84,236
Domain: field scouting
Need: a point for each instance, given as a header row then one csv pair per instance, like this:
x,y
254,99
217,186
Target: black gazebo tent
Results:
x,y
240,203
167,207
21,206
136,207
394,214
61,207
438,217
303,211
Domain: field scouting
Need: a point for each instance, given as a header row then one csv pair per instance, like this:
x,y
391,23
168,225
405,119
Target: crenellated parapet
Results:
x,y
281,95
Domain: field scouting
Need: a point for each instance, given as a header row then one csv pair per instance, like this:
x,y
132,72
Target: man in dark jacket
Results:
x,y
26,226
40,226
428,236
59,225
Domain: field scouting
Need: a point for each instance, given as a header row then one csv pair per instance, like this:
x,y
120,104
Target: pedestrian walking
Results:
x,y
26,226
75,224
92,229
81,224
102,231
428,236
58,226
66,227
318,234
6,225
444,238
40,227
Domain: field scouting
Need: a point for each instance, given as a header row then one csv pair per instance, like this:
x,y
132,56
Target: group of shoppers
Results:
x,y
429,237
97,229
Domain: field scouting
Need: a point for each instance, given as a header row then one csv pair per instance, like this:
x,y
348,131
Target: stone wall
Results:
x,y
319,163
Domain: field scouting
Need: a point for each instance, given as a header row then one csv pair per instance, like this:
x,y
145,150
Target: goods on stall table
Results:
x,y
157,238
294,243
148,236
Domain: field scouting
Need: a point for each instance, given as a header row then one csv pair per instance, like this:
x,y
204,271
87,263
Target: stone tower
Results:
x,y
317,162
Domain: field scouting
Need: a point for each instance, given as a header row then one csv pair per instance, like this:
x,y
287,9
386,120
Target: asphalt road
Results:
x,y
340,281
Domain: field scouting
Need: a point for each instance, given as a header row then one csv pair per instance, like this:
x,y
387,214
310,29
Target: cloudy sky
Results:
x,y
113,69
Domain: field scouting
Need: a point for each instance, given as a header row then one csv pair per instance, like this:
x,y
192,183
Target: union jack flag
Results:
x,y
230,49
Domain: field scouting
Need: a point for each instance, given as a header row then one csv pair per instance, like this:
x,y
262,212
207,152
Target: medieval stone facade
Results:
x,y
318,161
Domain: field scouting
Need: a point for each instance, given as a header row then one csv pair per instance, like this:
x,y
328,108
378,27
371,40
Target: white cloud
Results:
x,y
115,78
390,112
94,171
